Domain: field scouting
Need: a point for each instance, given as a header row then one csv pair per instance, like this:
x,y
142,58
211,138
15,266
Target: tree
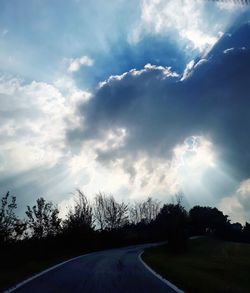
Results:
x,y
144,211
246,232
206,219
99,211
80,218
115,213
11,228
172,220
110,214
43,220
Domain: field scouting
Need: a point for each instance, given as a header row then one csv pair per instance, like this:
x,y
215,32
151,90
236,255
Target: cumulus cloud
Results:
x,y
34,158
192,23
33,155
77,63
155,107
238,204
33,113
159,109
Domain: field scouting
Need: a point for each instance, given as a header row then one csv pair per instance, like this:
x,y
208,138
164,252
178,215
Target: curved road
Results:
x,y
116,270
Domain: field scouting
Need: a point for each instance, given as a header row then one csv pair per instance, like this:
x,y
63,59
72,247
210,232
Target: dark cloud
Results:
x,y
158,110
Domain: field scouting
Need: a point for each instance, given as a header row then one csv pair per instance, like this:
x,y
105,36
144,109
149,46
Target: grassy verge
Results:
x,y
209,266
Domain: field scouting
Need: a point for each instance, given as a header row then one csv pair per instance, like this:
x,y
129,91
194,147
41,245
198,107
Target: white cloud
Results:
x,y
230,5
34,118
188,69
189,19
33,123
77,63
164,70
238,204
228,50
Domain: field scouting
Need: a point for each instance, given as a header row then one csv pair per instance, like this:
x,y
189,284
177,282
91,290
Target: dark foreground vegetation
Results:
x,y
42,238
209,265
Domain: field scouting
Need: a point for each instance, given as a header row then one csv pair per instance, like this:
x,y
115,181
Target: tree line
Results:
x,y
42,220
106,222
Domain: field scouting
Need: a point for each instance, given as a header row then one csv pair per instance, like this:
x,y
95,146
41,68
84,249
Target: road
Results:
x,y
110,271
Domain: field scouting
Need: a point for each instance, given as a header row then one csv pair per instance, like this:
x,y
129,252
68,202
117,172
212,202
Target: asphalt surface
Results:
x,y
116,270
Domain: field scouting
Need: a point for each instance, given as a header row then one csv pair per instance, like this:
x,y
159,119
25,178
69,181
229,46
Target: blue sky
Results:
x,y
133,98
38,35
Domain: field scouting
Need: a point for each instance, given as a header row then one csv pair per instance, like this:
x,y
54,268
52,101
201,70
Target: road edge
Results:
x,y
25,281
18,285
172,286
22,283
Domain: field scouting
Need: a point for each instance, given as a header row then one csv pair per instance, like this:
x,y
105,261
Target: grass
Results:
x,y
209,266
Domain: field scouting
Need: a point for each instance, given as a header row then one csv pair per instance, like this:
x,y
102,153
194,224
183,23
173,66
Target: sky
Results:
x,y
131,98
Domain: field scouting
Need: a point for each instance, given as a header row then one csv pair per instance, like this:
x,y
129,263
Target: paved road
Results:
x,y
111,271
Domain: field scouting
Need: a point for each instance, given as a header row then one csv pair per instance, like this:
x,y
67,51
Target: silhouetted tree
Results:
x,y
172,220
145,211
246,232
99,211
43,220
207,219
237,226
80,218
11,228
110,214
116,214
